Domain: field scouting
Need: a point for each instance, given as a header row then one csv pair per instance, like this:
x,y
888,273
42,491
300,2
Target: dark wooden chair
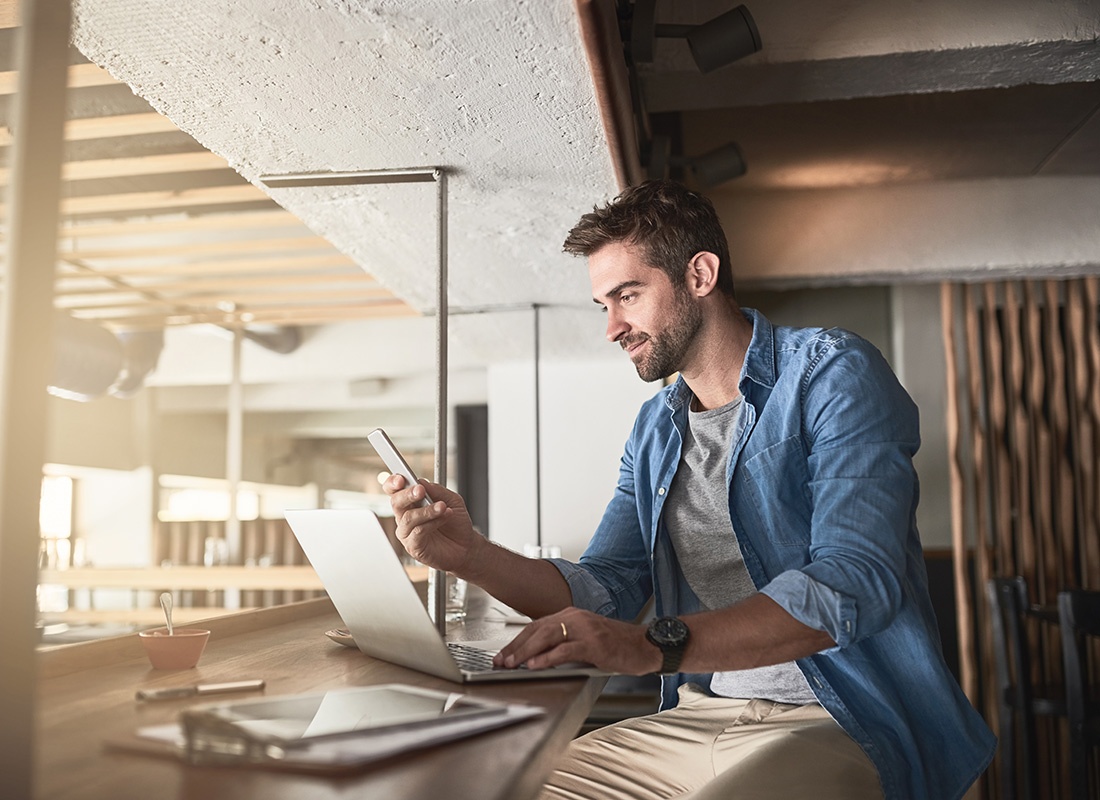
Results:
x,y
1079,617
1018,699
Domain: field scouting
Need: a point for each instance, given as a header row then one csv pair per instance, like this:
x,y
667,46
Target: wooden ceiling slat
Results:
x,y
243,299
204,248
292,298
356,281
84,76
128,300
139,317
322,316
81,76
143,202
9,13
121,125
107,127
163,164
250,220
242,266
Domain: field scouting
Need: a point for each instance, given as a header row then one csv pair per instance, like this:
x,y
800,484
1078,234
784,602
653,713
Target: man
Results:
x,y
767,502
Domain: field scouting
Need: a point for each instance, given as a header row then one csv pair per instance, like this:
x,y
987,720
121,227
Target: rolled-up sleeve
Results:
x,y
588,593
814,604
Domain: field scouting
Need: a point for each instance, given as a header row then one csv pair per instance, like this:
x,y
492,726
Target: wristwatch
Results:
x,y
671,635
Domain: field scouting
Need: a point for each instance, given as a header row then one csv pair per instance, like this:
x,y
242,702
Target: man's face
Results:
x,y
653,321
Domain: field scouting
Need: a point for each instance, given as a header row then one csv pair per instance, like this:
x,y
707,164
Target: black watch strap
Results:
x,y
671,636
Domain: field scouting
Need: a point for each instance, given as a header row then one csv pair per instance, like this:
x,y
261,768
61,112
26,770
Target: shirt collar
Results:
x,y
759,365
678,394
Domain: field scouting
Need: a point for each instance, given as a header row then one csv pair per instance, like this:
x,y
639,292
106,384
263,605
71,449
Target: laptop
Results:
x,y
368,585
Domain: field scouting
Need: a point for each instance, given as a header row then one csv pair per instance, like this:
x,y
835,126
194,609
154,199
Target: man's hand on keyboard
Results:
x,y
575,635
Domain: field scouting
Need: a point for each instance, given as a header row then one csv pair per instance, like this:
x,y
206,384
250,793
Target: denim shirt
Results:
x,y
823,497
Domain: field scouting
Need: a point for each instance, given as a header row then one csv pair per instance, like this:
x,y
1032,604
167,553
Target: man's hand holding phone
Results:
x,y
440,535
433,524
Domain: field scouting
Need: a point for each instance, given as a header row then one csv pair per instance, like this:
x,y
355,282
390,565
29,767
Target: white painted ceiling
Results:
x,y
885,140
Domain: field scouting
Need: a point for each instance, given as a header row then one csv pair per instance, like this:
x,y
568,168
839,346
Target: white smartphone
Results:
x,y
394,460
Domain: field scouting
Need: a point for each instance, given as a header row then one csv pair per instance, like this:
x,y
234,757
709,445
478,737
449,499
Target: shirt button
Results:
x,y
661,490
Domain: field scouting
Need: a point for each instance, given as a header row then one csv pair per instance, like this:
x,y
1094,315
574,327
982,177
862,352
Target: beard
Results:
x,y
667,348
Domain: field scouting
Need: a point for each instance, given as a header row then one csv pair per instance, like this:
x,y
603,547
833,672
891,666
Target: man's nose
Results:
x,y
616,326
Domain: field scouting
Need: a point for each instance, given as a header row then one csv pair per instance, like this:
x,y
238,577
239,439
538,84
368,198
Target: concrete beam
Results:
x,y
979,230
881,75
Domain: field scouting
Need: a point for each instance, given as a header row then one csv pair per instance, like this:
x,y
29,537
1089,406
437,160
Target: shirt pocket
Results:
x,y
773,491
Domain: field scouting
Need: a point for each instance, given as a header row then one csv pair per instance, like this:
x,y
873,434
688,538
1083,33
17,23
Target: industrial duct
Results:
x,y
91,361
280,339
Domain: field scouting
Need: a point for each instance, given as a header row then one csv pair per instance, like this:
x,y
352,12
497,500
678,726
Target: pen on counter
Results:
x,y
176,692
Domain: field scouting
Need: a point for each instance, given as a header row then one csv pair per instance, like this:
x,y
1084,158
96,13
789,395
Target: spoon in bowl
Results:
x,y
166,604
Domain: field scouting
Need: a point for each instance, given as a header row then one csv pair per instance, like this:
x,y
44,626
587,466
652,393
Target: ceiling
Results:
x,y
158,231
886,140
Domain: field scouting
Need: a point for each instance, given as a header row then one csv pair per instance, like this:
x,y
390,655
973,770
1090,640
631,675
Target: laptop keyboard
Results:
x,y
472,659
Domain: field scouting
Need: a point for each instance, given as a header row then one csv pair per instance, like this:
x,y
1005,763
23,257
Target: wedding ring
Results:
x,y
564,632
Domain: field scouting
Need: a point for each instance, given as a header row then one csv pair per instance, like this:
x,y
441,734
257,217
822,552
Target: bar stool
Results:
x,y
1016,695
1079,616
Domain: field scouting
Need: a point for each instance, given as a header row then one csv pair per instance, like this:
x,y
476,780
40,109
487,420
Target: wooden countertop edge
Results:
x,y
529,781
68,658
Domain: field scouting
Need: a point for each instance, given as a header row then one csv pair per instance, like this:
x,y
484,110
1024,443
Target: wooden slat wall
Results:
x,y
1024,365
263,541
1090,426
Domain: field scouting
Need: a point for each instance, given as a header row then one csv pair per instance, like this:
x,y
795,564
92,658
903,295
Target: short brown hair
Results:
x,y
666,220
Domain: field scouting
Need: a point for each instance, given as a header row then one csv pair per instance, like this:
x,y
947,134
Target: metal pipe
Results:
x,y
538,439
234,462
440,577
407,175
359,178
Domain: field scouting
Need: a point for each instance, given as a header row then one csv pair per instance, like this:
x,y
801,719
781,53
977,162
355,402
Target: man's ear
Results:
x,y
702,273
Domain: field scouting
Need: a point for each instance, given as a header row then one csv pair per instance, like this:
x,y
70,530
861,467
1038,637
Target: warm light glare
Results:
x,y
208,504
825,175
55,509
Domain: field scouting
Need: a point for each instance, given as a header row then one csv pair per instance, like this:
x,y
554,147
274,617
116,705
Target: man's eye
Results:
x,y
625,298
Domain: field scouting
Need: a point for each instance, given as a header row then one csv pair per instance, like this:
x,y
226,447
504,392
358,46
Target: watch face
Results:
x,y
668,631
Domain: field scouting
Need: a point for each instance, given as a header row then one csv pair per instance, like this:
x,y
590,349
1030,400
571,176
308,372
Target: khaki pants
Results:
x,y
715,748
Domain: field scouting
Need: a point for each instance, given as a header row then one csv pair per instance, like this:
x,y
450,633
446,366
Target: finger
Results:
x,y
399,494
547,645
559,654
421,519
536,639
393,484
406,499
422,538
511,648
518,650
437,492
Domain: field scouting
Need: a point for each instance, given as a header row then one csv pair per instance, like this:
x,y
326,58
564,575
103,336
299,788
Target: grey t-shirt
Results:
x,y
698,521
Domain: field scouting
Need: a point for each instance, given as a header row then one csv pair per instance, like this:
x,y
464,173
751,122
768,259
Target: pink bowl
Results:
x,y
181,650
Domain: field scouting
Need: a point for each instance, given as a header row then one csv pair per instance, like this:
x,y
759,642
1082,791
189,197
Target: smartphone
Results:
x,y
393,459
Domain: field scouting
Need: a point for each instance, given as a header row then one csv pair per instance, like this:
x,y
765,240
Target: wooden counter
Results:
x,y
87,690
278,578
161,578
